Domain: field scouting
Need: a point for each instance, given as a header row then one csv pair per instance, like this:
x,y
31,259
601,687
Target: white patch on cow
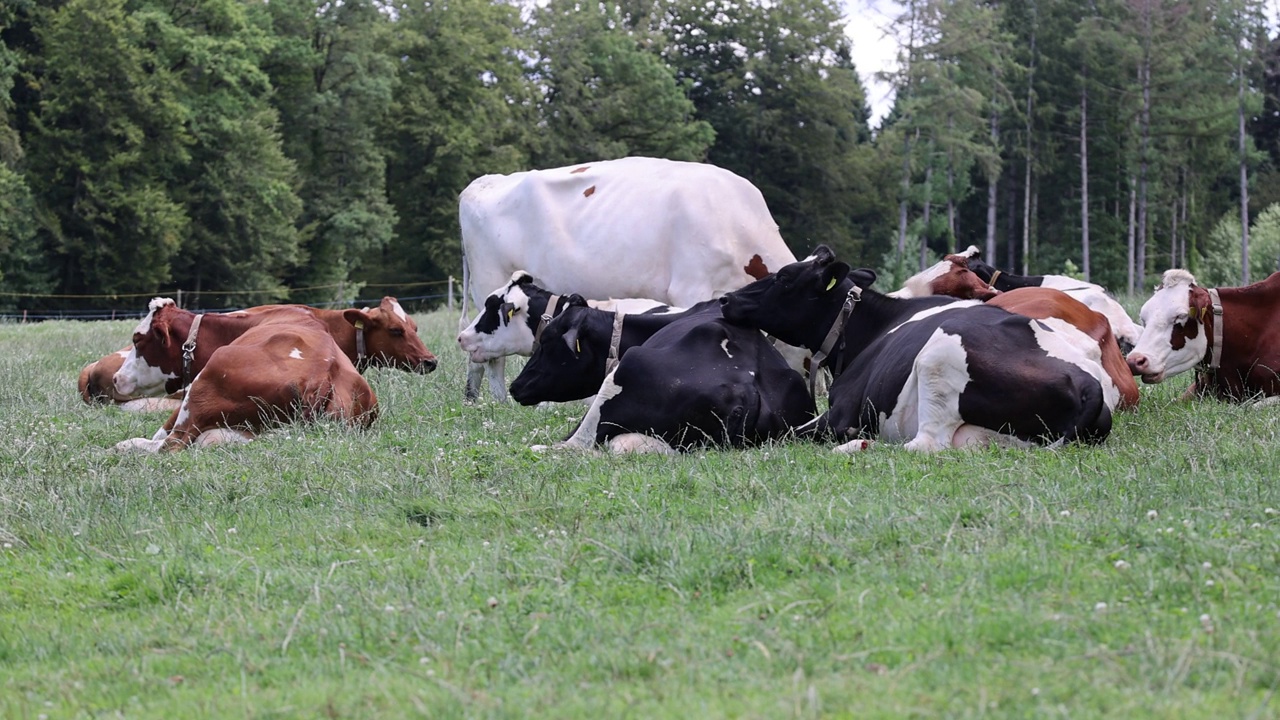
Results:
x,y
632,306
399,311
919,285
136,378
976,436
237,313
585,436
639,443
724,345
296,354
1067,343
970,251
122,353
1168,307
144,326
511,337
927,412
935,310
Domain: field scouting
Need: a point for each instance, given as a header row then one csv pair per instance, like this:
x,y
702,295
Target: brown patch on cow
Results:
x,y
589,191
577,170
1198,307
756,268
961,282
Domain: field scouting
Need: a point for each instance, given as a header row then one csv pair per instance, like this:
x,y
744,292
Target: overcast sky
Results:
x,y
873,51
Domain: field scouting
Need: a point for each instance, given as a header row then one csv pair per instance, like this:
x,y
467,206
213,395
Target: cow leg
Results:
x,y
853,446
496,369
974,436
149,405
940,374
475,375
584,437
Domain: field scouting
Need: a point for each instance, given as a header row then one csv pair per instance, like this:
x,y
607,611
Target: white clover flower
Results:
x,y
1065,513
1206,565
1152,514
493,602
1208,583
1122,565
1271,511
1100,607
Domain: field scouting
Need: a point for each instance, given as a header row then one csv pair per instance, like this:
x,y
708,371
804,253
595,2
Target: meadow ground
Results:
x,y
435,567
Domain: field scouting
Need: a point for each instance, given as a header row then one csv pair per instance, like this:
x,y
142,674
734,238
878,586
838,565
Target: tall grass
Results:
x,y
434,566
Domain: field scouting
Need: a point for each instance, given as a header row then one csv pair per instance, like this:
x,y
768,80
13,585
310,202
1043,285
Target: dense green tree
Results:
x,y
334,84
20,259
110,134
607,95
237,187
463,107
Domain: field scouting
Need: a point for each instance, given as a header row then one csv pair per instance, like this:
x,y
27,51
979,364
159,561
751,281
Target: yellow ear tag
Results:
x,y
831,284
511,313
359,324
1194,312
577,344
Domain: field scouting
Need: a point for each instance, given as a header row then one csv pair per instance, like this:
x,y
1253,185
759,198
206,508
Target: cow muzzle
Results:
x,y
1140,364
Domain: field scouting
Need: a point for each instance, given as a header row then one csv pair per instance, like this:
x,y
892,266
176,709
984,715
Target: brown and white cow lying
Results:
x,y
1230,336
382,336
281,371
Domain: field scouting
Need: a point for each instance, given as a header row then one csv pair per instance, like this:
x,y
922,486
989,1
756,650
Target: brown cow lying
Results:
x,y
283,370
387,337
1232,341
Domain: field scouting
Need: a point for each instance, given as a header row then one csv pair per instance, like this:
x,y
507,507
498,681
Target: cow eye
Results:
x,y
397,332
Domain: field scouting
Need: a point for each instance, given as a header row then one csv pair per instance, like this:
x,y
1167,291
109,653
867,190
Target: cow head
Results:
x,y
1173,340
973,258
561,369
798,303
156,357
502,327
391,338
950,276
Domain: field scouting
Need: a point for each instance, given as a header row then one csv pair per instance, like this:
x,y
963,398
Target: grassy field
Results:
x,y
435,567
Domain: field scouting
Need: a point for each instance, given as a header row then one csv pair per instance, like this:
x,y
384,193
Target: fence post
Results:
x,y
450,293
179,297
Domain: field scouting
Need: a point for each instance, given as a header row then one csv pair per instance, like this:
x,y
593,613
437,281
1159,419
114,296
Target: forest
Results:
x,y
252,151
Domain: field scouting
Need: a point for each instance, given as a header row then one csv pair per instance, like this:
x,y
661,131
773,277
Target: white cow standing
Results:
x,y
676,232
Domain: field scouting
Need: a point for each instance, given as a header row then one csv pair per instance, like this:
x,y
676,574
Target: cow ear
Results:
x,y
571,339
863,277
822,256
575,299
508,311
355,316
523,278
832,275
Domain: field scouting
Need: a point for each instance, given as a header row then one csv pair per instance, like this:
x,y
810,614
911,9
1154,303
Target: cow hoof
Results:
x,y
853,446
639,443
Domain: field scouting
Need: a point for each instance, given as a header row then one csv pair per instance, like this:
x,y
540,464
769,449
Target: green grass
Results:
x,y
435,567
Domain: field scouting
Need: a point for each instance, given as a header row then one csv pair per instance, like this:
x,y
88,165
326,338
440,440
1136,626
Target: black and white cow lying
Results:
x,y
700,380
931,372
582,344
509,325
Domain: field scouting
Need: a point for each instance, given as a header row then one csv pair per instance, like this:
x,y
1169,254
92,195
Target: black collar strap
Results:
x,y
829,342
189,350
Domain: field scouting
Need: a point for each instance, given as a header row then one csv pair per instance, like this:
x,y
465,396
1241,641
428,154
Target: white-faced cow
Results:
x,y
276,372
949,276
636,227
695,382
1126,331
381,336
931,372
510,322
1230,336
582,344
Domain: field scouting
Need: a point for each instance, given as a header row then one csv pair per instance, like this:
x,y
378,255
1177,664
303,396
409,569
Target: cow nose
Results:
x,y
1138,363
428,365
724,301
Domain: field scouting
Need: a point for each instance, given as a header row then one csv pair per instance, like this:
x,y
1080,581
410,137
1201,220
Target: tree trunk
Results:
x,y
902,203
1144,72
1244,175
928,206
992,185
1133,194
1084,178
1026,190
1011,235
